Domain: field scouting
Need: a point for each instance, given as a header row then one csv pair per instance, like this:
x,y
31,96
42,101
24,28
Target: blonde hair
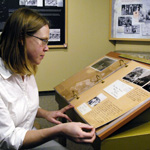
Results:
x,y
13,52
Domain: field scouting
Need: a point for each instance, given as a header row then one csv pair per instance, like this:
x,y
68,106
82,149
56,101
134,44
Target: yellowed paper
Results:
x,y
88,77
121,92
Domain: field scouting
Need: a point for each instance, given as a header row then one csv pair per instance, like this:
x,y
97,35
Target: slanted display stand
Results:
x,y
107,94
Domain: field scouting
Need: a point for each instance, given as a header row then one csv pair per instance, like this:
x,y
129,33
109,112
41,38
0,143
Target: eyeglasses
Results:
x,y
44,41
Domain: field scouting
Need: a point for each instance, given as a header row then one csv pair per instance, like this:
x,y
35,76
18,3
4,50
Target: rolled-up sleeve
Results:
x,y
11,137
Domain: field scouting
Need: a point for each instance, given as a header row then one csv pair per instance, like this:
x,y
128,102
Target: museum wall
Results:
x,y
88,40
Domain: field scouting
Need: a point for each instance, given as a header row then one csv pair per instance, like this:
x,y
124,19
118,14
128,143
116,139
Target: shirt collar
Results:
x,y
4,72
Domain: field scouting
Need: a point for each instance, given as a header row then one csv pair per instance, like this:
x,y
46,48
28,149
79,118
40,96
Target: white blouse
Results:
x,y
19,102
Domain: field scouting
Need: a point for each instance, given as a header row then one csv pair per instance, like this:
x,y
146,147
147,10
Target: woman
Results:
x,y
23,44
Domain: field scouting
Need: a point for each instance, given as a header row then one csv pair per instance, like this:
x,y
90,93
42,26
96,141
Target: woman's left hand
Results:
x,y
52,116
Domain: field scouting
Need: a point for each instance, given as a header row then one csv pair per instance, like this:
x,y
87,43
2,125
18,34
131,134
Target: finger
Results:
x,y
87,140
66,108
88,134
85,126
56,121
65,116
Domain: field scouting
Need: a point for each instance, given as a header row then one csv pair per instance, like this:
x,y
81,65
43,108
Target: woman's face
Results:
x,y
36,48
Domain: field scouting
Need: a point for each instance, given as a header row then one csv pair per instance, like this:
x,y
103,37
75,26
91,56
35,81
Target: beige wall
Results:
x,y
134,46
88,30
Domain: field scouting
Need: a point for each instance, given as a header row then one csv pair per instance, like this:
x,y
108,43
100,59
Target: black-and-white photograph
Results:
x,y
103,63
148,16
93,102
135,74
129,9
147,87
21,2
143,79
137,7
144,16
134,29
54,35
139,76
50,2
59,3
128,30
31,2
128,21
125,21
121,21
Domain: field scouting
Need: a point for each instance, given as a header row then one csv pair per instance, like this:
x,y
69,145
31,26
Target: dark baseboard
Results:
x,y
46,93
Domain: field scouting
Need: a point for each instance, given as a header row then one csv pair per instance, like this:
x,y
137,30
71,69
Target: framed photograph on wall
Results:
x,y
130,20
54,10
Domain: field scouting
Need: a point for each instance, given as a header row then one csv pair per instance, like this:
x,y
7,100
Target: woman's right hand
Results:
x,y
79,132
